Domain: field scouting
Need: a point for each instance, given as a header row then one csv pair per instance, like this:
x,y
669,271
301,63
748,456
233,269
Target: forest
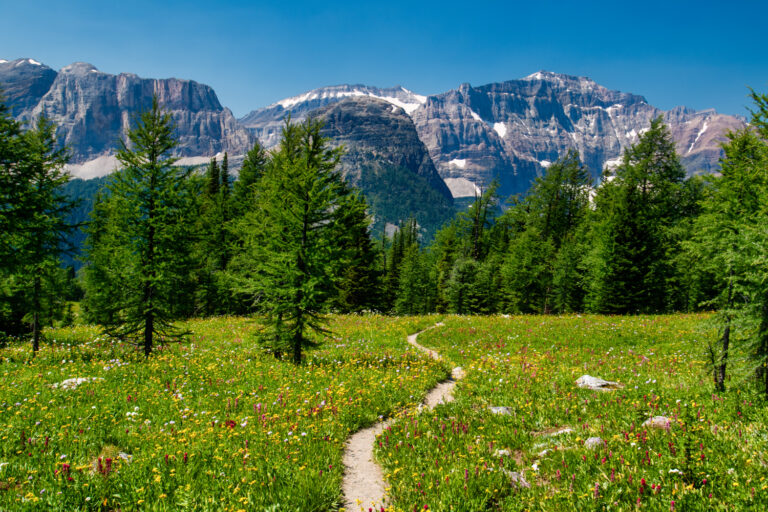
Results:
x,y
290,241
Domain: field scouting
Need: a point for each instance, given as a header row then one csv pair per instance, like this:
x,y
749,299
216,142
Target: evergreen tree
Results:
x,y
636,210
291,238
541,271
253,168
731,246
356,274
146,231
34,215
214,179
412,295
225,185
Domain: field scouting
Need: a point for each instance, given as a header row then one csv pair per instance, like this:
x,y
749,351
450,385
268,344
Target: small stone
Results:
x,y
75,382
661,422
517,479
559,432
505,411
502,453
544,453
593,443
597,384
127,457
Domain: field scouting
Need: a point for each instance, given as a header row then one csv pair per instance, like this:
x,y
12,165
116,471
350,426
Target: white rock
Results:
x,y
75,382
502,453
517,479
564,430
658,422
593,443
505,411
596,383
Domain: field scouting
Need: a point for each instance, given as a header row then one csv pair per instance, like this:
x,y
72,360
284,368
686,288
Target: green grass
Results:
x,y
214,424
210,424
713,457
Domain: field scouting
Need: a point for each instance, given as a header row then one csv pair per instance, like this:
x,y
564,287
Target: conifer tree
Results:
x,y
290,238
629,264
45,222
214,179
252,170
357,277
147,232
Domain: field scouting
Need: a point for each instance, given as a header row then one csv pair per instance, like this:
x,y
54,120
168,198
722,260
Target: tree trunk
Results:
x,y
762,347
149,285
720,372
36,312
725,341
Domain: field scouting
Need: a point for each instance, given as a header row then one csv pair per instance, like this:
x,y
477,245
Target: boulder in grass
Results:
x,y
593,443
517,479
75,382
504,411
597,384
660,422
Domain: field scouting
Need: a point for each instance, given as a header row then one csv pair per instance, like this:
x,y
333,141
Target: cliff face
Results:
x,y
385,158
93,110
514,130
266,123
23,83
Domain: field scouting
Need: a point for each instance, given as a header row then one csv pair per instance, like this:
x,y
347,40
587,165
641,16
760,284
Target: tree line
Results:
x,y
290,240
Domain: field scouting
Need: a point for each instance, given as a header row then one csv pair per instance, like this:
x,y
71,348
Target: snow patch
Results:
x,y
409,107
612,163
461,163
3,61
474,115
545,163
462,187
536,76
34,62
95,168
500,128
698,136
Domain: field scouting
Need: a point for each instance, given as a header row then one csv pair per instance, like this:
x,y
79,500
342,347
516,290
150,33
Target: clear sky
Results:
x,y
697,53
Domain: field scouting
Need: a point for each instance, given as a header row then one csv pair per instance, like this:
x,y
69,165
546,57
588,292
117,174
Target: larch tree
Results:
x,y
147,234
291,238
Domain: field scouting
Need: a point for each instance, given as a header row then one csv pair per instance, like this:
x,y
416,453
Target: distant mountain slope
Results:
x,y
385,158
92,110
513,130
23,83
266,123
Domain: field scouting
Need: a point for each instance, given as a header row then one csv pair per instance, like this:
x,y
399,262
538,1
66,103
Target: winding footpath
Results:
x,y
364,486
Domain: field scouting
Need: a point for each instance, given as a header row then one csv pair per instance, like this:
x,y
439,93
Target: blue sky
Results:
x,y
697,53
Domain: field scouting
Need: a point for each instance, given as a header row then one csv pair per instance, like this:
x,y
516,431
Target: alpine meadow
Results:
x,y
535,295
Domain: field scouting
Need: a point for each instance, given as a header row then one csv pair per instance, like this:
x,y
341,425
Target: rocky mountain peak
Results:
x,y
79,68
24,82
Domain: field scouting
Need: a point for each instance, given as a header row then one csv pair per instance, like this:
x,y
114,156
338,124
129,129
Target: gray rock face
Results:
x,y
23,82
514,130
266,123
93,110
372,125
386,160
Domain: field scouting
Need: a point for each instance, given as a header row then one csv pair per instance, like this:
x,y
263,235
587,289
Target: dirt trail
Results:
x,y
364,486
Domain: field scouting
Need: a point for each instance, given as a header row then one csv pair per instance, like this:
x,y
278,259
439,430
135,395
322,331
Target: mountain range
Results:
x,y
411,154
